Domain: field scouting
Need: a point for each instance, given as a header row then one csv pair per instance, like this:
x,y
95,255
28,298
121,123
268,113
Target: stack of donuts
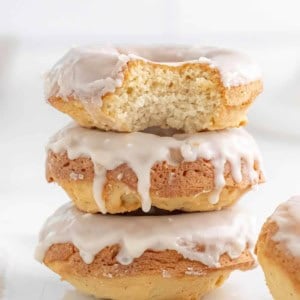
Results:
x,y
153,164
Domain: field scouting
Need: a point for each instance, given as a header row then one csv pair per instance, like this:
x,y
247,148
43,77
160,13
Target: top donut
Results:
x,y
130,89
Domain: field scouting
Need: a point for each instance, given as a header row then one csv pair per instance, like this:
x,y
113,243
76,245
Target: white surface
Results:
x,y
26,199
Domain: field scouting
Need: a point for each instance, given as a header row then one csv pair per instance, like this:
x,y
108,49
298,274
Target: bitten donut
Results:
x,y
278,251
121,172
122,89
175,256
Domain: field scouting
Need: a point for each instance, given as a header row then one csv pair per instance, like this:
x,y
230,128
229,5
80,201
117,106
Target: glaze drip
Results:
x,y
228,231
140,151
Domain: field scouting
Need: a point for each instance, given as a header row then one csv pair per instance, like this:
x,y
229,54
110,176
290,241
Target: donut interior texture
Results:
x,y
121,89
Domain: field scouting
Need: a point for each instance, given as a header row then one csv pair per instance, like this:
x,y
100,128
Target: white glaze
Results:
x,y
88,73
141,151
287,217
228,231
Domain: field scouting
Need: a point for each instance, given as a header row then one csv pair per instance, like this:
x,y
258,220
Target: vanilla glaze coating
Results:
x,y
228,231
91,72
140,151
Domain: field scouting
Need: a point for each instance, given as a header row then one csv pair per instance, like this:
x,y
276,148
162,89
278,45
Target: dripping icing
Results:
x,y
108,150
228,231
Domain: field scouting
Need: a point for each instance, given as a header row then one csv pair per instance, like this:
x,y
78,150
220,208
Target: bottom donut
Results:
x,y
174,256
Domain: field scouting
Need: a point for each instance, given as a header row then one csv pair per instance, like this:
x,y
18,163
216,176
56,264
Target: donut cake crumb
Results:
x,y
204,91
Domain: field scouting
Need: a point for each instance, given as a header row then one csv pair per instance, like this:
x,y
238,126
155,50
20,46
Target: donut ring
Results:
x,y
119,89
191,184
154,274
278,253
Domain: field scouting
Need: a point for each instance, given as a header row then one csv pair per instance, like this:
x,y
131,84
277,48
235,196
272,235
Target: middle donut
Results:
x,y
111,172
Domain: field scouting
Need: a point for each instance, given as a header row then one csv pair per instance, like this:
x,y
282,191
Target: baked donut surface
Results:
x,y
154,275
200,172
183,256
278,251
122,89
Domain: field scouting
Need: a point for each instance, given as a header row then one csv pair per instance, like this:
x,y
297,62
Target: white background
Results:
x,y
34,34
146,18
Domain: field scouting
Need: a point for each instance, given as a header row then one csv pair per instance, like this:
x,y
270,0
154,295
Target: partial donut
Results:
x,y
121,89
278,251
181,256
122,172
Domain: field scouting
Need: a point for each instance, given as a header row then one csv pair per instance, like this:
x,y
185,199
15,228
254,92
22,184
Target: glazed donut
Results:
x,y
121,172
174,256
278,251
122,89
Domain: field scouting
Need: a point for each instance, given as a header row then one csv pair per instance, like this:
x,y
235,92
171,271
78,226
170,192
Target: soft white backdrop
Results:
x,y
147,18
34,34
